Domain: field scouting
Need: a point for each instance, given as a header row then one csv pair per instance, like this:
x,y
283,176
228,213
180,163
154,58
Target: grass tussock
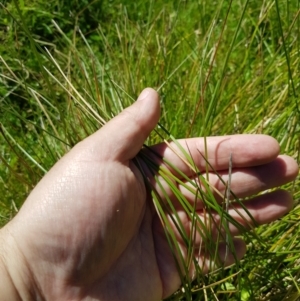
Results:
x,y
226,67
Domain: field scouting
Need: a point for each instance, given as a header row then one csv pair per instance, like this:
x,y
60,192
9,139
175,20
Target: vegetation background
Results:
x,y
221,67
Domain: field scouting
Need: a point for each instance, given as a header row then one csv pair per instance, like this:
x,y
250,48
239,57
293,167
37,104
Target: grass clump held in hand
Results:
x,y
220,69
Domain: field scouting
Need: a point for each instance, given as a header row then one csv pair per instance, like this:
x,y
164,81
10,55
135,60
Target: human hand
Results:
x,y
88,230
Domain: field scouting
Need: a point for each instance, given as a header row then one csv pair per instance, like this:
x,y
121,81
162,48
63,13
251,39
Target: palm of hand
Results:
x,y
90,240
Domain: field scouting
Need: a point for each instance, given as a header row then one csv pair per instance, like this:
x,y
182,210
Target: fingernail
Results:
x,y
144,94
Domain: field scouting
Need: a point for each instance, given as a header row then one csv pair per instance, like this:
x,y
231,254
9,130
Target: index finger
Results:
x,y
245,151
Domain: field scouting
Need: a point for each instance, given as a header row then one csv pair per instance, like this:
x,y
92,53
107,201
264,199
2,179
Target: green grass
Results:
x,y
223,68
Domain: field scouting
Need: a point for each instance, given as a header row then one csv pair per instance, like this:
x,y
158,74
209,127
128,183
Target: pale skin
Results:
x,y
88,230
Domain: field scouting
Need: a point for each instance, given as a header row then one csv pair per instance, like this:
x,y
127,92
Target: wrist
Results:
x,y
16,281
7,288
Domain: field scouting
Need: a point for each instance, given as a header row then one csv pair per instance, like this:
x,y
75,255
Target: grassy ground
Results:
x,y
221,67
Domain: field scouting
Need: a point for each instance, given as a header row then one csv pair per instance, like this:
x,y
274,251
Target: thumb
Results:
x,y
123,136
